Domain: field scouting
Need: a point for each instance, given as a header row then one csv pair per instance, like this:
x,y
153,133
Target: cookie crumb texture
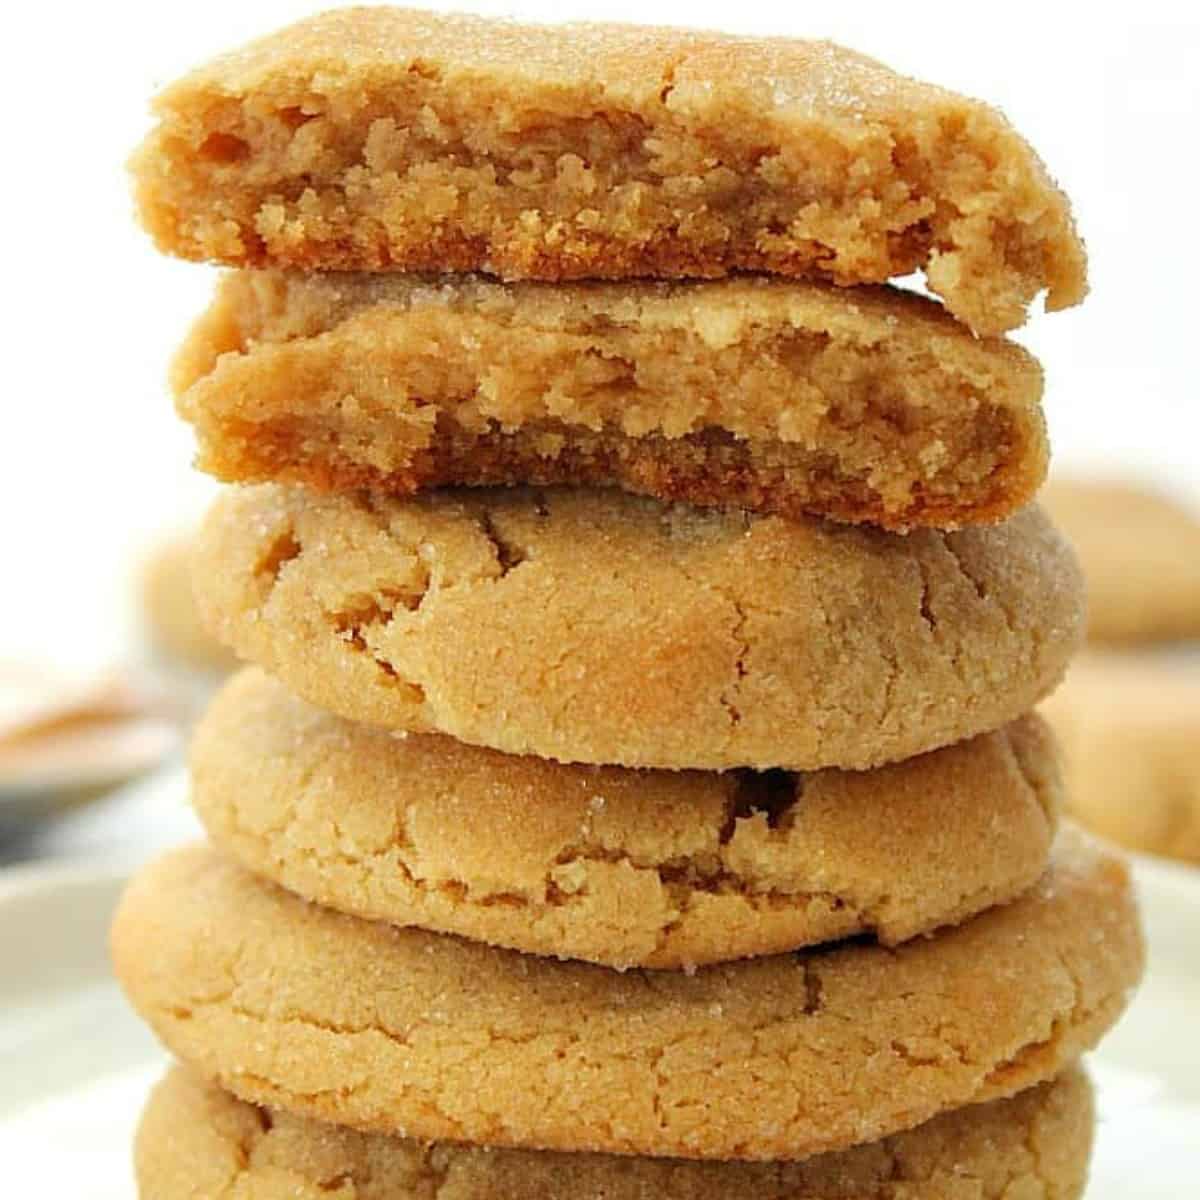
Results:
x,y
594,626
770,395
626,868
195,1140
393,139
421,1035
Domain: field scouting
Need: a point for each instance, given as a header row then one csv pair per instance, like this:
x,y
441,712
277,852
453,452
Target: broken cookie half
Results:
x,y
393,140
777,396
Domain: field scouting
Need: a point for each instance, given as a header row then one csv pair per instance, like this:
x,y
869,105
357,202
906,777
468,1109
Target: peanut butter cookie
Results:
x,y
168,609
392,139
864,405
196,1140
400,1031
1140,553
594,626
1131,736
626,868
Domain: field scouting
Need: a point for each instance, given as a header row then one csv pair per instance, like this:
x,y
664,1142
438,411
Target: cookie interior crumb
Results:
x,y
393,139
775,396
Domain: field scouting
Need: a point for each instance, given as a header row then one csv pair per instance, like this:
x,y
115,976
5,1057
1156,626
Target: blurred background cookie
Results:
x,y
1130,730
1140,552
170,623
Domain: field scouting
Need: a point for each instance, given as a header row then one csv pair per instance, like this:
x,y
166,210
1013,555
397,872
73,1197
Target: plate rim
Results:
x,y
25,880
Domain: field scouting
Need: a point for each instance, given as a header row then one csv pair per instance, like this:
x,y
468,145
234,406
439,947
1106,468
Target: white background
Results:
x,y
93,464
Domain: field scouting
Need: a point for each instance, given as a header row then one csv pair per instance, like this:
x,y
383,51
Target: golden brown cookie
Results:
x,y
392,139
196,1140
593,626
1131,736
794,398
1140,552
400,1031
626,868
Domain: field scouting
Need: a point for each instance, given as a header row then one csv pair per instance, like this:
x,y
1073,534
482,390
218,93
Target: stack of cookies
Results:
x,y
636,791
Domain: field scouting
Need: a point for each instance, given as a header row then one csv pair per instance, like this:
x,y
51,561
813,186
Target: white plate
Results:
x,y
76,1063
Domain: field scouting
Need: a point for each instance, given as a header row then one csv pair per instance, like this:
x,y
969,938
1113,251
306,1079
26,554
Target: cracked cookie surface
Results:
x,y
196,1140
390,139
594,626
869,405
360,1023
622,867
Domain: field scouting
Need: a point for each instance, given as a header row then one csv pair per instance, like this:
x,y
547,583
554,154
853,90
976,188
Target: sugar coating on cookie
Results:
x,y
594,626
393,139
1130,728
196,1140
626,868
1140,552
400,1031
865,405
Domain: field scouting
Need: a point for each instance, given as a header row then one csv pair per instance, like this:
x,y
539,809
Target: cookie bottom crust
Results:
x,y
709,469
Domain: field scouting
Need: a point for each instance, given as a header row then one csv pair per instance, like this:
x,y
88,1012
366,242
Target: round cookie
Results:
x,y
621,867
196,1140
1130,730
1140,553
591,626
401,1031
